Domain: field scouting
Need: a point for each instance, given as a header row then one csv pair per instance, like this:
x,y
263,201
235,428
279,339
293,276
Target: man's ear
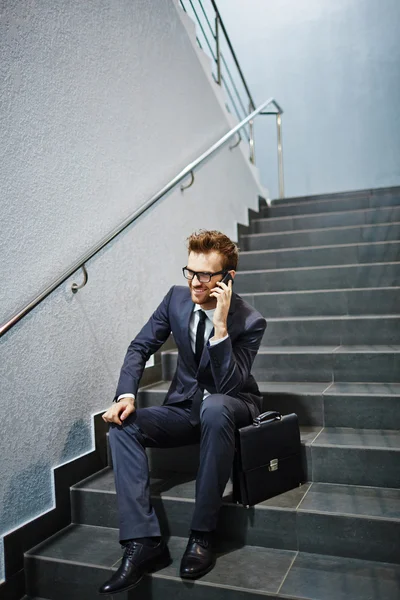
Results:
x,y
233,273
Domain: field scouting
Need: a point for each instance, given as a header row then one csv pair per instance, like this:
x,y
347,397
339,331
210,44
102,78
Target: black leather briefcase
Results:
x,y
267,458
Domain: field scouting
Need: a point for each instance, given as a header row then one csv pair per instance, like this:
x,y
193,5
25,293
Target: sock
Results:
x,y
146,541
206,536
149,541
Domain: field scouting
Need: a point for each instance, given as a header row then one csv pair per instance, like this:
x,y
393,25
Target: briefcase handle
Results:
x,y
271,415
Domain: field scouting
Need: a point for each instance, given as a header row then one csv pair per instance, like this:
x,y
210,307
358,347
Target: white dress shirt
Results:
x,y
194,321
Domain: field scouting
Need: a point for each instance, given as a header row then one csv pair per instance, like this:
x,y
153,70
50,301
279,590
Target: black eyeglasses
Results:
x,y
202,277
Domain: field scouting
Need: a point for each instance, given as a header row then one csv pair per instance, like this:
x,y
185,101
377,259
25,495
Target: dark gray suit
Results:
x,y
185,418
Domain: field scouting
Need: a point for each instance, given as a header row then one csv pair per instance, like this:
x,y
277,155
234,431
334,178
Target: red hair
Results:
x,y
203,242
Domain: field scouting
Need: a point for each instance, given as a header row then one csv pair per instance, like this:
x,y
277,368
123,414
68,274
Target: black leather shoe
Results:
x,y
136,561
198,558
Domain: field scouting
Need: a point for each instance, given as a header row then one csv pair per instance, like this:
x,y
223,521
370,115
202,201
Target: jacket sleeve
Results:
x,y
151,337
231,364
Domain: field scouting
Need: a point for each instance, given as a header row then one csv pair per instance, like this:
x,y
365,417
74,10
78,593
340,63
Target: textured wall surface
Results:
x,y
102,103
334,66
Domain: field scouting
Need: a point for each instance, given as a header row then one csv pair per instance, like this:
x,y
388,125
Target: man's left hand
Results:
x,y
223,294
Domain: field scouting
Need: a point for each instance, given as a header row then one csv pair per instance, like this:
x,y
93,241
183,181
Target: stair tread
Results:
x,y
327,389
320,577
324,214
328,202
98,546
313,248
316,229
239,568
359,438
363,389
356,349
312,268
331,196
332,498
332,389
323,291
333,318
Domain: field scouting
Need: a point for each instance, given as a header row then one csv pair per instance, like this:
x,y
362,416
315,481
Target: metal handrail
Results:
x,y
246,87
189,170
214,39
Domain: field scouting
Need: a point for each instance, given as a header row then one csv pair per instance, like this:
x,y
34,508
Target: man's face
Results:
x,y
204,263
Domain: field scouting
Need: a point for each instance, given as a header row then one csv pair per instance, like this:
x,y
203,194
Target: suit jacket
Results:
x,y
224,367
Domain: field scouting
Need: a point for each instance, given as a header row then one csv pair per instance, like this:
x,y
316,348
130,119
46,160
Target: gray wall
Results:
x,y
335,67
102,103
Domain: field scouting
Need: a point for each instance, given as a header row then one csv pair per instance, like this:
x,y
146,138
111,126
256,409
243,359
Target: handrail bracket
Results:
x,y
185,187
75,286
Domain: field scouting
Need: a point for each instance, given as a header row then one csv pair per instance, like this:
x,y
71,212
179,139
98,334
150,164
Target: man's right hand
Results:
x,y
119,411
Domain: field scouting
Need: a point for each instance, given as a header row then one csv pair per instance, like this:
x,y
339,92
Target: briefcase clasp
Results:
x,y
273,464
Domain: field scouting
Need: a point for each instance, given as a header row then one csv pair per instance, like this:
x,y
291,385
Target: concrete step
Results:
x,y
333,277
333,219
357,302
385,232
354,405
393,191
343,254
278,209
91,554
338,331
367,457
280,522
379,364
357,364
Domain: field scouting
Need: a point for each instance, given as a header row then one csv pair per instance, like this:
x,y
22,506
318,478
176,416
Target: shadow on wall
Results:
x,y
30,488
79,441
30,492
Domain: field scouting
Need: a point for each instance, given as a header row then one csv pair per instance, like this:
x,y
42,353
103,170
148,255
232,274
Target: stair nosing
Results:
x,y
322,229
315,444
312,248
324,214
325,291
367,192
199,582
287,319
295,349
263,507
66,561
308,268
275,203
325,392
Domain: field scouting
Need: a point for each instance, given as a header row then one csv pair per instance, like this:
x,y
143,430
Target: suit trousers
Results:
x,y
166,427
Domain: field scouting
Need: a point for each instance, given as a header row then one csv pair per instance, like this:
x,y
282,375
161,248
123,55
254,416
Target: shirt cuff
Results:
x,y
125,396
215,342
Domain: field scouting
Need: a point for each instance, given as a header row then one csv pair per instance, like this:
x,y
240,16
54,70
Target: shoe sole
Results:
x,y
197,575
162,564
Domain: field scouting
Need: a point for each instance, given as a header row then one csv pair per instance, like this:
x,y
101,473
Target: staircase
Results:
x,y
325,272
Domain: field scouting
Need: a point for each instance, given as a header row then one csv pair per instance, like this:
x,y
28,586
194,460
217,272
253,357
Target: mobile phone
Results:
x,y
228,277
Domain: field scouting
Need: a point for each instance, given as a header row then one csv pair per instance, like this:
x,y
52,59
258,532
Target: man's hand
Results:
x,y
119,411
223,294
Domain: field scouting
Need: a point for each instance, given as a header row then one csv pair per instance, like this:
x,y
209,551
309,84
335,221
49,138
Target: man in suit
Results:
x,y
211,395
